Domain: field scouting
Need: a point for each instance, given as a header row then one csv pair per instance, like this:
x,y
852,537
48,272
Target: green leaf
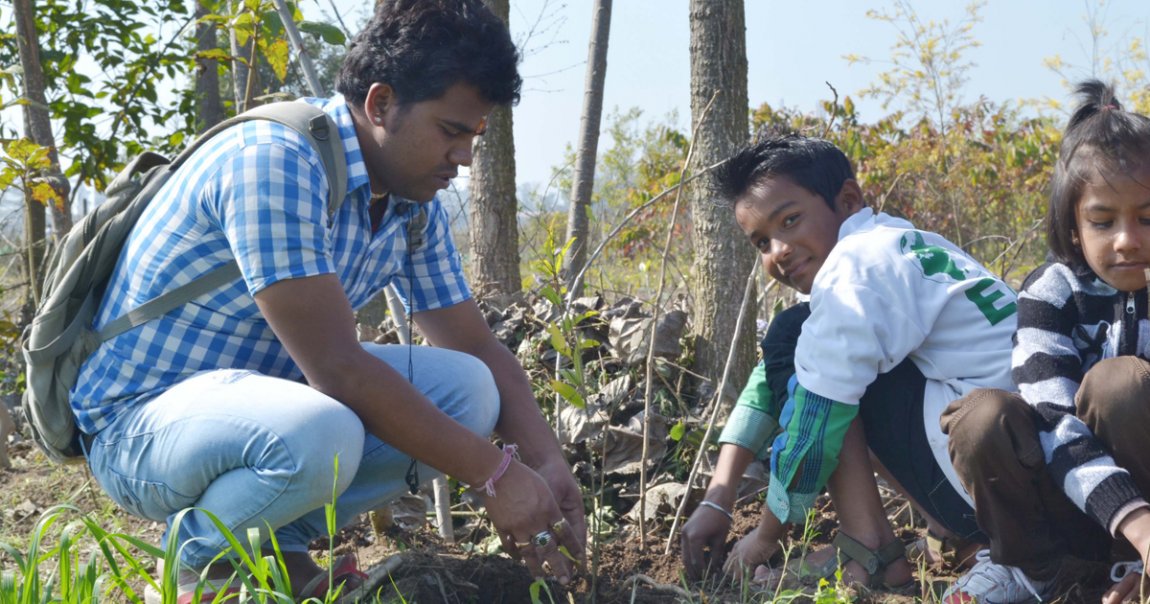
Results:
x,y
272,23
7,177
551,295
214,54
277,54
678,430
558,342
45,194
568,392
325,31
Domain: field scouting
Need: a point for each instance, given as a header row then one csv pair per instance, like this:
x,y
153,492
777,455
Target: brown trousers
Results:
x,y
995,450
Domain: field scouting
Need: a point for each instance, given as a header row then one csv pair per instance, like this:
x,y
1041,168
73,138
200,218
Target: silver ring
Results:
x,y
542,539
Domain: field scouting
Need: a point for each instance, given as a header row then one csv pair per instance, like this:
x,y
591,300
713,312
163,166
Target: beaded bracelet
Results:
x,y
509,452
717,507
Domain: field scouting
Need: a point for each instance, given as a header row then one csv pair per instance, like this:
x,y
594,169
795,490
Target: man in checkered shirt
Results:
x,y
239,402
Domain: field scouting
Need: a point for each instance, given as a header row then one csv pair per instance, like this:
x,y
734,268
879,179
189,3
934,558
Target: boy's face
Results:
x,y
1113,218
793,228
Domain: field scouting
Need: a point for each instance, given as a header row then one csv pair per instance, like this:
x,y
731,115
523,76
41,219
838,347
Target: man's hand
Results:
x,y
531,526
702,542
557,474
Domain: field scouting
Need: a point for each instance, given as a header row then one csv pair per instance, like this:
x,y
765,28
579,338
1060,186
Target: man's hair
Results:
x,y
423,47
812,163
1100,141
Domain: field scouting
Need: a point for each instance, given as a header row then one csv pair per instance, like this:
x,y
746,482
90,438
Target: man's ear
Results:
x,y
850,198
380,98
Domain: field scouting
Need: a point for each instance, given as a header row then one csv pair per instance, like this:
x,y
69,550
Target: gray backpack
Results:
x,y
60,336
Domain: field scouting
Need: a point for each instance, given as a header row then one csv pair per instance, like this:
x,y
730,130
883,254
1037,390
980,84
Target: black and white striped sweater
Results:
x,y
1067,322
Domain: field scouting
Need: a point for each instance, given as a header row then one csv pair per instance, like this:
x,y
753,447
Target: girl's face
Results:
x,y
1113,218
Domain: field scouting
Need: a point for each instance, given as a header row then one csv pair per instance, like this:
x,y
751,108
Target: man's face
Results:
x,y
415,149
793,228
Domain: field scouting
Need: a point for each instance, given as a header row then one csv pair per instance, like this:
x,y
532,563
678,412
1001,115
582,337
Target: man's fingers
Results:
x,y
531,558
554,560
577,526
510,546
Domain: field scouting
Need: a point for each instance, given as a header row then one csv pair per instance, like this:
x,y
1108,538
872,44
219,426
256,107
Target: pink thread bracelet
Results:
x,y
508,454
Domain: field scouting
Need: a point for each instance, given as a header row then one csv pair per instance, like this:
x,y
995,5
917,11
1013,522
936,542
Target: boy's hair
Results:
x,y
815,164
1101,139
423,47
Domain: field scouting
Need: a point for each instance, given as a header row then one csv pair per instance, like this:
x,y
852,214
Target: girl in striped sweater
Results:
x,y
1080,360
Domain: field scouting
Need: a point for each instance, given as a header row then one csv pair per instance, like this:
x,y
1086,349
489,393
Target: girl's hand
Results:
x,y
1136,528
1127,590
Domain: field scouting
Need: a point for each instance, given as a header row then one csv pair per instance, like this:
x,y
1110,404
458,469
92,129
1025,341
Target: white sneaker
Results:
x,y
991,583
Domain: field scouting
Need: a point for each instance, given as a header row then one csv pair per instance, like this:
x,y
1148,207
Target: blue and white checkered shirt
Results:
x,y
257,193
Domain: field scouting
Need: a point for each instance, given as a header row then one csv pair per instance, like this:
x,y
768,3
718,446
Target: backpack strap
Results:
x,y
310,122
319,130
169,300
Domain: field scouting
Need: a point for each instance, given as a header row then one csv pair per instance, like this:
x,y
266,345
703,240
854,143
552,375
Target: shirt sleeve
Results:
x,y
806,453
751,424
754,421
271,202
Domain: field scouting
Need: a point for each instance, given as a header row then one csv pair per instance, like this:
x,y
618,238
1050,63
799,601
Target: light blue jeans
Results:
x,y
258,451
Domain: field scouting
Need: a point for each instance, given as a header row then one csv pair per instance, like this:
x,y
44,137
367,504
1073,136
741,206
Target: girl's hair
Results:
x,y
1101,139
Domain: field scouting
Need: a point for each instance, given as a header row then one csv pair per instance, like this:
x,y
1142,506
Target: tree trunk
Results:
x,y
723,258
578,218
245,75
209,107
306,64
494,230
38,128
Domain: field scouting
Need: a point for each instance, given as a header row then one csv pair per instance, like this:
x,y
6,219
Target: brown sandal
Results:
x,y
874,562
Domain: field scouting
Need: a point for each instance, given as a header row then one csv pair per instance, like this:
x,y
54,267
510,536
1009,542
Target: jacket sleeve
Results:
x,y
1054,341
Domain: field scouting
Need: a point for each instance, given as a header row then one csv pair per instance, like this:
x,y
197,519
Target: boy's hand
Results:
x,y
705,530
754,549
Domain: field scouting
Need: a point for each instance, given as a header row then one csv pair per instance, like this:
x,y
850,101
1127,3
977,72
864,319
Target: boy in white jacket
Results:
x,y
902,324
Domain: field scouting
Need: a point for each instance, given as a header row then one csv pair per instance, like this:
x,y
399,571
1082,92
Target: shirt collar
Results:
x,y
337,108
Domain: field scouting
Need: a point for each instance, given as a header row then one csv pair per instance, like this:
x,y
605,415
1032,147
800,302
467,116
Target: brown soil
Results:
x,y
424,570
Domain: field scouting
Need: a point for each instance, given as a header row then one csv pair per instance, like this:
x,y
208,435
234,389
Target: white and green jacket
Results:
x,y
885,293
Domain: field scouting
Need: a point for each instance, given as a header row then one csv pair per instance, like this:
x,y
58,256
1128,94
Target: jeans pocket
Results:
x,y
146,498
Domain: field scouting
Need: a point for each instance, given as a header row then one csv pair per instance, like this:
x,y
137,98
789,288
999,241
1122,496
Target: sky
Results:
x,y
793,48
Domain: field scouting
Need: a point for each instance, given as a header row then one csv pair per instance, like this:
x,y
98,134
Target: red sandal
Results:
x,y
345,571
